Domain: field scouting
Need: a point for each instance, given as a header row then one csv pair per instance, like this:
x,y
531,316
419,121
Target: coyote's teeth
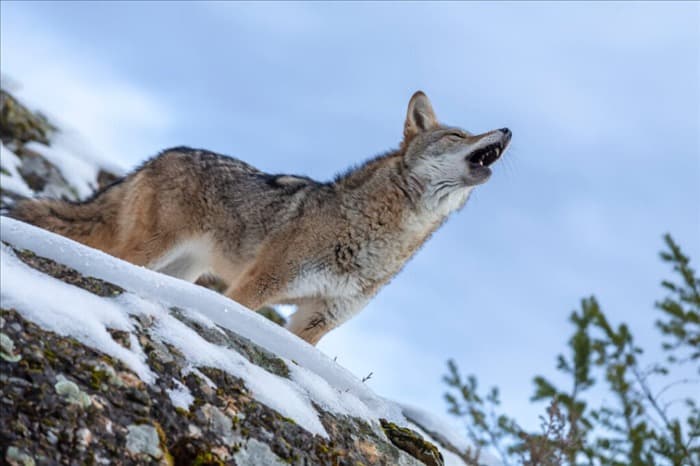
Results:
x,y
485,156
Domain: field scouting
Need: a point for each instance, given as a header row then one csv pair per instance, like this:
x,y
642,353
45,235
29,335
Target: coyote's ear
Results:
x,y
420,116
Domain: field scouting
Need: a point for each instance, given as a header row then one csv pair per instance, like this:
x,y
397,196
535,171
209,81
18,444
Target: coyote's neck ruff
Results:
x,y
325,247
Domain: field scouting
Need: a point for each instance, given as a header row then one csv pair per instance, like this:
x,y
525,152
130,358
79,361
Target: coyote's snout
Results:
x,y
284,239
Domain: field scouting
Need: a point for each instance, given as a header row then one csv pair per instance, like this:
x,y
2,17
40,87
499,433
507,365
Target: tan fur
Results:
x,y
325,247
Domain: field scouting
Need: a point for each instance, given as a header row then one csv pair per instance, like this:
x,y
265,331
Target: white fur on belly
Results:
x,y
187,260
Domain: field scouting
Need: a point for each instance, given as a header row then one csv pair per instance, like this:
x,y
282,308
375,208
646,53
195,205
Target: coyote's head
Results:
x,y
445,160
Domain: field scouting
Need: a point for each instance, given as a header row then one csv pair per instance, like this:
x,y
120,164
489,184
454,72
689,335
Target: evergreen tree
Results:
x,y
633,426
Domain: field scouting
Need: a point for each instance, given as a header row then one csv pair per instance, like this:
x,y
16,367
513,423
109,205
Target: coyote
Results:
x,y
284,239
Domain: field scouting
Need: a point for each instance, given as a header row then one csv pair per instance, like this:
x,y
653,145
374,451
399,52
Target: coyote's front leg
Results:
x,y
315,317
267,282
255,291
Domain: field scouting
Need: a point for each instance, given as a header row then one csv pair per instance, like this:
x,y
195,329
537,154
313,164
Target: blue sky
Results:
x,y
603,100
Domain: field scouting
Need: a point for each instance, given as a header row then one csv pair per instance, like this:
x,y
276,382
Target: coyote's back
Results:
x,y
177,194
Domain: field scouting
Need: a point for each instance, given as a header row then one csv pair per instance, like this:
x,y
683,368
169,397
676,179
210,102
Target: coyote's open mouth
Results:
x,y
486,155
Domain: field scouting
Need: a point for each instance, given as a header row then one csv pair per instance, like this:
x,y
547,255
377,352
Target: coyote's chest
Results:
x,y
359,260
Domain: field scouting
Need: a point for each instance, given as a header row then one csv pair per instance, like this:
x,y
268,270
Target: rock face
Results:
x,y
25,170
20,124
63,401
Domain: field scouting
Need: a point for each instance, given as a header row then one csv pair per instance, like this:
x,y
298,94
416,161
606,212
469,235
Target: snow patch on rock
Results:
x,y
314,378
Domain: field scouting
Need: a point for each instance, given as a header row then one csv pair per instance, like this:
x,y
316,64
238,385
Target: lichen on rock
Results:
x,y
71,392
20,123
142,439
15,456
413,443
7,349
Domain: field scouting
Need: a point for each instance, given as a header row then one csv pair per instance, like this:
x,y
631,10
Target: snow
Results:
x,y
72,143
79,168
78,173
180,396
184,295
68,310
193,370
71,311
68,152
76,147
12,182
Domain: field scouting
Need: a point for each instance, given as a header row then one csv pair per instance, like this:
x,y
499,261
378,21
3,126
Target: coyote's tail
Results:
x,y
92,222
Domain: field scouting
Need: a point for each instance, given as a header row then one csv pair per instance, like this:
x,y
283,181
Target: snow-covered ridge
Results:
x,y
314,378
171,292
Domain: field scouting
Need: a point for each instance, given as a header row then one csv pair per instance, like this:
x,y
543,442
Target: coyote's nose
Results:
x,y
506,134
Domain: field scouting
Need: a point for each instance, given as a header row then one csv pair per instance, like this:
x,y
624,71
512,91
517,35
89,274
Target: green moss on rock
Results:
x,y
412,443
67,274
207,458
19,123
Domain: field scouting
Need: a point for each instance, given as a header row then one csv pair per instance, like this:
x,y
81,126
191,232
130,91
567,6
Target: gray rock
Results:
x,y
142,439
44,177
71,392
255,453
7,349
16,456
219,423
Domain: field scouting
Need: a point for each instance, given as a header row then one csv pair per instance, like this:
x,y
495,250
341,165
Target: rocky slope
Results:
x,y
34,158
102,362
